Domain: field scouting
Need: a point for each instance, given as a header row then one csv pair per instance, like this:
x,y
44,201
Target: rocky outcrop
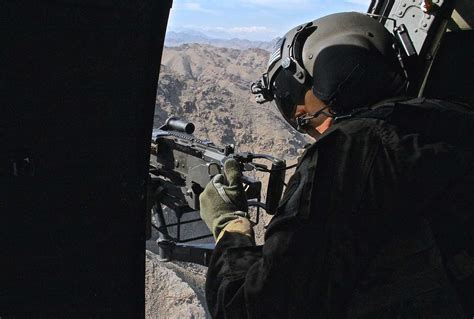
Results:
x,y
169,290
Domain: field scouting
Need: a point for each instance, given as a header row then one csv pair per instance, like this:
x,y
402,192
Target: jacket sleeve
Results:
x,y
290,269
248,281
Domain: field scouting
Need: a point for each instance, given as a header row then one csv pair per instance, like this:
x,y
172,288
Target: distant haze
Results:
x,y
188,37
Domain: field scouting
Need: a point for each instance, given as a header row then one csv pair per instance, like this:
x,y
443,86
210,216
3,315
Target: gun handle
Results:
x,y
275,186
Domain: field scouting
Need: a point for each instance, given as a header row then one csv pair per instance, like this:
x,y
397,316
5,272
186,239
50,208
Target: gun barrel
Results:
x,y
177,124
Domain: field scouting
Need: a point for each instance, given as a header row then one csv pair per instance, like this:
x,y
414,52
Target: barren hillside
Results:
x,y
210,86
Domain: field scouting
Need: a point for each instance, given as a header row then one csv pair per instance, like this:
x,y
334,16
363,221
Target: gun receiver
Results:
x,y
181,165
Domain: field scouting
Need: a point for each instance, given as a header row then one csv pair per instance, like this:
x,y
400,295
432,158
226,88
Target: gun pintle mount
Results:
x,y
181,165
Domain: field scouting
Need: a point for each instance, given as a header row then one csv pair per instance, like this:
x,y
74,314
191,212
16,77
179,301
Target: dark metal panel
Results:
x,y
77,97
424,22
452,74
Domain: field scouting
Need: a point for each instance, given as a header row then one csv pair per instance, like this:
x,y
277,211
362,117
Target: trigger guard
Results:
x,y
213,169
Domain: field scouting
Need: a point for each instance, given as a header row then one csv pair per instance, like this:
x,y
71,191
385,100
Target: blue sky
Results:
x,y
252,19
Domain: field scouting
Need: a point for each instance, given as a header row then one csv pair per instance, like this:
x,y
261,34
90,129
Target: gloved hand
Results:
x,y
224,200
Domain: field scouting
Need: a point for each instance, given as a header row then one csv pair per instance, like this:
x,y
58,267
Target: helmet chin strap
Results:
x,y
303,120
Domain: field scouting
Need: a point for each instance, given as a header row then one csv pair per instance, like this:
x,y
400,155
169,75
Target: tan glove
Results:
x,y
223,200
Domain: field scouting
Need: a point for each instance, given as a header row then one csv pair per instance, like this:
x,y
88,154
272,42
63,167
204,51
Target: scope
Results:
x,y
176,124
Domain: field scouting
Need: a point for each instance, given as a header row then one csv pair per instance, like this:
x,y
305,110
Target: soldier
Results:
x,y
377,220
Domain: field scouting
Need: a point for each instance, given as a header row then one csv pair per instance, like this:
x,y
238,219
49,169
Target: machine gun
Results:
x,y
181,165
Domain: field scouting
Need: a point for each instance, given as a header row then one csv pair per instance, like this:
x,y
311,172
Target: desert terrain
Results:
x,y
210,87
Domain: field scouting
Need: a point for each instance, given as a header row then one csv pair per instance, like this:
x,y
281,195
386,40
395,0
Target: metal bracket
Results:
x,y
417,16
404,38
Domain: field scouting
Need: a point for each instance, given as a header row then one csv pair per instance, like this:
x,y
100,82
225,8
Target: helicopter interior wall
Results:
x,y
78,89
463,16
450,77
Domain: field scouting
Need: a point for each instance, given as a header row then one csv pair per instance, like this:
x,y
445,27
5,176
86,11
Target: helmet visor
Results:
x,y
288,93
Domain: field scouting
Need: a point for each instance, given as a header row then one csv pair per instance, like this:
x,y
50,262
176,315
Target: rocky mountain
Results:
x,y
210,87
174,38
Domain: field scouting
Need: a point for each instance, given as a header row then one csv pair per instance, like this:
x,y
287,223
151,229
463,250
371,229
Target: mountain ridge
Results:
x,y
177,38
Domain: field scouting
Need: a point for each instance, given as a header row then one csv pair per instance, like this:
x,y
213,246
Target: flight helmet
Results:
x,y
348,60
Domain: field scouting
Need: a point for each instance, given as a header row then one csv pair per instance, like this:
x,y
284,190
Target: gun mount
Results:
x,y
181,165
